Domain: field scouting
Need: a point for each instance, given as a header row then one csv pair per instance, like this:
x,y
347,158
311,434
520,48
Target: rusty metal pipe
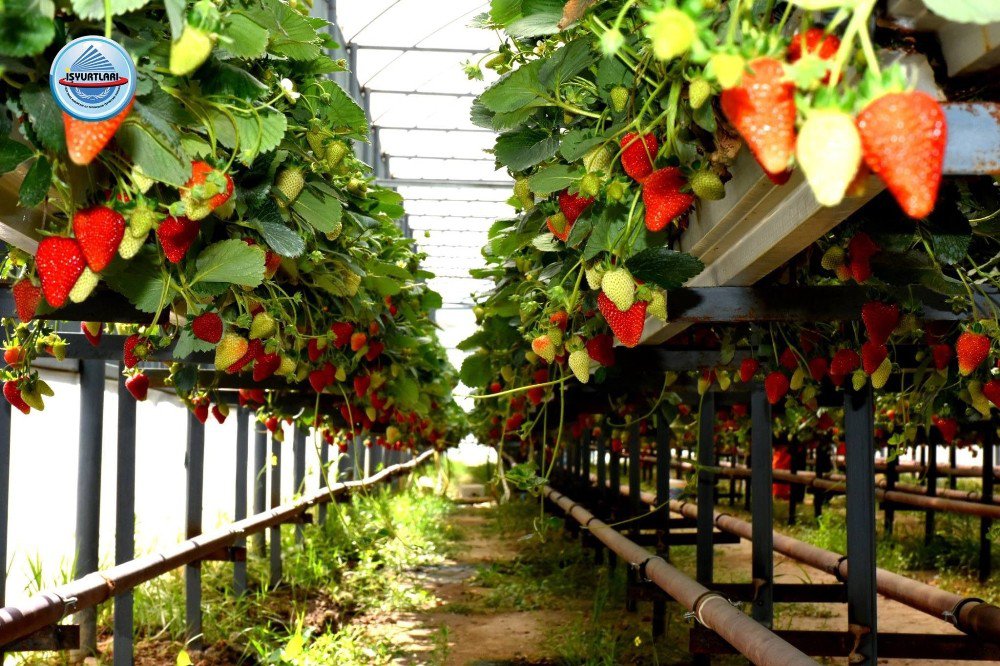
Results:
x,y
50,606
752,639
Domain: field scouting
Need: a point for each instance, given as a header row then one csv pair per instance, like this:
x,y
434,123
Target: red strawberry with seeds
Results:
x,y
776,386
199,203
748,368
788,359
92,330
13,395
572,205
941,353
201,411
560,319
342,332
208,327
813,42
138,386
762,109
872,355
361,384
219,415
991,390
880,320
85,139
375,349
971,350
903,138
663,198
601,348
358,340
948,428
176,235
638,154
27,296
818,368
60,263
99,231
265,366
627,325
134,351
318,380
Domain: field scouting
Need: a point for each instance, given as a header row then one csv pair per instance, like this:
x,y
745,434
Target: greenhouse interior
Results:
x,y
499,333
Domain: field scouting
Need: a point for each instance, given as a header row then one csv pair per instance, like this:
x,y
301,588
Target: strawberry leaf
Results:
x,y
476,371
24,31
554,178
664,267
525,148
323,211
12,153
249,38
36,182
231,261
153,153
94,9
45,117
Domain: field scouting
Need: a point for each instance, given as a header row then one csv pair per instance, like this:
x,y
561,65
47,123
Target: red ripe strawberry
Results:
x,y
99,231
373,329
13,395
358,340
92,330
330,372
844,362
903,137
342,332
391,306
13,355
748,368
265,366
762,109
60,263
948,428
85,139
219,415
318,380
254,350
776,386
941,353
272,260
138,386
817,368
601,348
200,172
495,387
375,349
788,359
559,319
176,234
813,42
825,422
880,320
861,246
572,205
135,350
251,397
663,198
201,411
27,296
638,154
872,355
208,327
627,325
991,390
971,350
361,384
314,350
860,269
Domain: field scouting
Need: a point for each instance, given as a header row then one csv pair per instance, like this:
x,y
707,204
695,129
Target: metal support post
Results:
x,y
298,473
634,501
275,541
124,520
195,486
663,513
324,475
859,426
706,488
932,483
986,524
240,505
88,490
762,507
259,480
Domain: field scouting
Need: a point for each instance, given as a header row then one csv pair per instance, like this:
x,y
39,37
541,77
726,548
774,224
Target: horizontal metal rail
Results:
x,y
751,638
50,606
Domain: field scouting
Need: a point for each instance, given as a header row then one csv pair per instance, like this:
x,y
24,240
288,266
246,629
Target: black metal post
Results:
x,y
932,482
953,463
794,490
88,490
299,472
240,505
662,513
762,511
706,488
195,486
275,541
891,477
324,474
859,425
634,500
259,480
986,524
602,471
124,520
584,468
613,495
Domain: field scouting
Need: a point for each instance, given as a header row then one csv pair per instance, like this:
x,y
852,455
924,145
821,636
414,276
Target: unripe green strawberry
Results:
x,y
190,51
226,210
798,379
833,258
881,374
590,185
658,305
84,285
289,183
522,190
32,398
828,149
141,181
142,220
335,154
262,326
699,91
976,397
544,348
616,191
619,287
858,379
619,98
130,246
599,159
507,373
230,349
556,336
357,187
316,141
594,275
671,31
579,363
727,69
707,185
286,368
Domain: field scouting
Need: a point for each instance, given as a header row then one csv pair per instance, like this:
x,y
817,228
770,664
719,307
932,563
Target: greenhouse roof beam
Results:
x,y
474,130
442,182
418,49
420,93
448,159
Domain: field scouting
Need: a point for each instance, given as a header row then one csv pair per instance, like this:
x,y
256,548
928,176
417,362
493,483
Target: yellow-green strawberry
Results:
x,y
507,373
286,367
798,379
978,401
130,246
599,159
619,287
262,326
590,185
141,181
657,305
594,274
522,191
616,191
727,69
289,183
543,347
579,363
142,220
226,210
881,374
556,336
833,258
828,149
230,349
859,378
32,397
671,31
707,185
317,142
84,285
699,91
619,98
191,50
335,154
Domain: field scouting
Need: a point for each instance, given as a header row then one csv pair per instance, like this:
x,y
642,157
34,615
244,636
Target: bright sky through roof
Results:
x,y
449,223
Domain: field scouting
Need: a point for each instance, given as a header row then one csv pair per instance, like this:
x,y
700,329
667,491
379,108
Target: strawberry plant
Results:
x,y
228,195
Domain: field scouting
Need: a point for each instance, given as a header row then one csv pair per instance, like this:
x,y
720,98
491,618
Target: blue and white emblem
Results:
x,y
92,78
